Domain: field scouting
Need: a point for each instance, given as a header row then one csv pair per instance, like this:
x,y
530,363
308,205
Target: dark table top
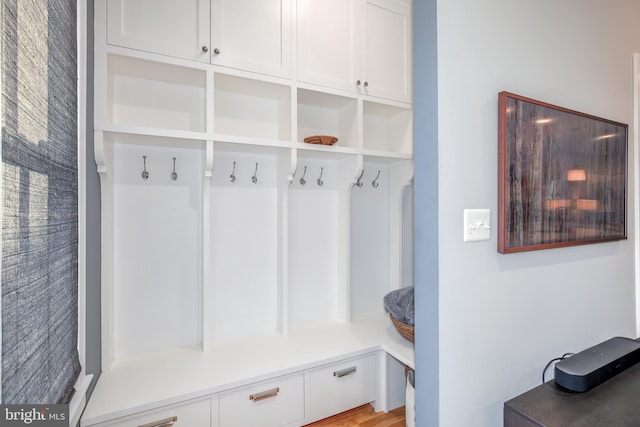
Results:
x,y
614,403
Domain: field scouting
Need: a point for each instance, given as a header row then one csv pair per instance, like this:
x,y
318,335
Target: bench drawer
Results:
x,y
270,403
196,414
340,386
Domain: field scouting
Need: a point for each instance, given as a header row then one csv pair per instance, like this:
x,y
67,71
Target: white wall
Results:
x,y
502,317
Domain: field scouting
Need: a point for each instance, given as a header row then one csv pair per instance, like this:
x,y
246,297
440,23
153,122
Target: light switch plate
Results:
x,y
477,225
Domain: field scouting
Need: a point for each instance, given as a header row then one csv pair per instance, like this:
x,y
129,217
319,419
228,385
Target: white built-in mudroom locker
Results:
x,y
244,269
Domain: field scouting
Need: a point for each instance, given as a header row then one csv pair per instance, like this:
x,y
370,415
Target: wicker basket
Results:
x,y
403,329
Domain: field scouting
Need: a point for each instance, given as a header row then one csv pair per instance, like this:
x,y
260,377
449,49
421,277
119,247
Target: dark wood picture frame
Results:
x,y
562,177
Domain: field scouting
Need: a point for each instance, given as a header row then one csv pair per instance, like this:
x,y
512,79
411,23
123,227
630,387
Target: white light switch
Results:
x,y
477,225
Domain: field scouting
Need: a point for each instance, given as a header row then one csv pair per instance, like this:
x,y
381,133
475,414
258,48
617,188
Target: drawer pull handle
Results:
x,y
264,394
344,372
167,422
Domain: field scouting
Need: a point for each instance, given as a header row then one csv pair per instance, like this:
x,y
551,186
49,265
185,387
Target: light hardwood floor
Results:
x,y
364,416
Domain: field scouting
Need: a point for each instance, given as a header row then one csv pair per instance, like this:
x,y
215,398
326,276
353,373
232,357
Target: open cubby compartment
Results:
x,y
327,114
244,289
380,238
317,237
157,244
369,228
387,128
251,108
151,94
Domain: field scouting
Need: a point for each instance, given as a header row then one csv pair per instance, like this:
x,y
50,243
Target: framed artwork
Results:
x,y
562,176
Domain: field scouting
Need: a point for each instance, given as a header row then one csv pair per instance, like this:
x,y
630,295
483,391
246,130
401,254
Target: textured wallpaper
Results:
x,y
39,186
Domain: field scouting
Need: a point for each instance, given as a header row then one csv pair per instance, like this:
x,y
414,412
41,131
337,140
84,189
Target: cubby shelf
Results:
x,y
251,108
387,128
155,95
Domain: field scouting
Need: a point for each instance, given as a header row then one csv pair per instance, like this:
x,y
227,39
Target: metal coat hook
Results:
x,y
232,177
302,180
320,181
174,175
254,178
145,173
359,180
375,182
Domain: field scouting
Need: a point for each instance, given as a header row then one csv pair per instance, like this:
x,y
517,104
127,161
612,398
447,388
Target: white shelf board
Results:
x,y
385,156
246,144
153,380
249,144
324,151
157,133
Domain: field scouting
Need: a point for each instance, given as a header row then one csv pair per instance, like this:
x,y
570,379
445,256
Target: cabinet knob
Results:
x,y
366,84
358,82
205,49
216,51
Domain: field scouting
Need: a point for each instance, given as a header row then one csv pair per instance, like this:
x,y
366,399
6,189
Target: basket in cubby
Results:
x,y
407,331
399,304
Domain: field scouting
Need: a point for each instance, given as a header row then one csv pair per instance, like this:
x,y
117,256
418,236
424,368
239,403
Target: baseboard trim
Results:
x,y
79,400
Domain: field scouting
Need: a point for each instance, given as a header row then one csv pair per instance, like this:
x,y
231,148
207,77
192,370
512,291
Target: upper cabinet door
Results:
x,y
387,49
361,46
252,35
178,28
327,43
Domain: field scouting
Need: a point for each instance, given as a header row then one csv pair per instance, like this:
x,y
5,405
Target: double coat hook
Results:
x,y
319,181
145,173
375,183
232,177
